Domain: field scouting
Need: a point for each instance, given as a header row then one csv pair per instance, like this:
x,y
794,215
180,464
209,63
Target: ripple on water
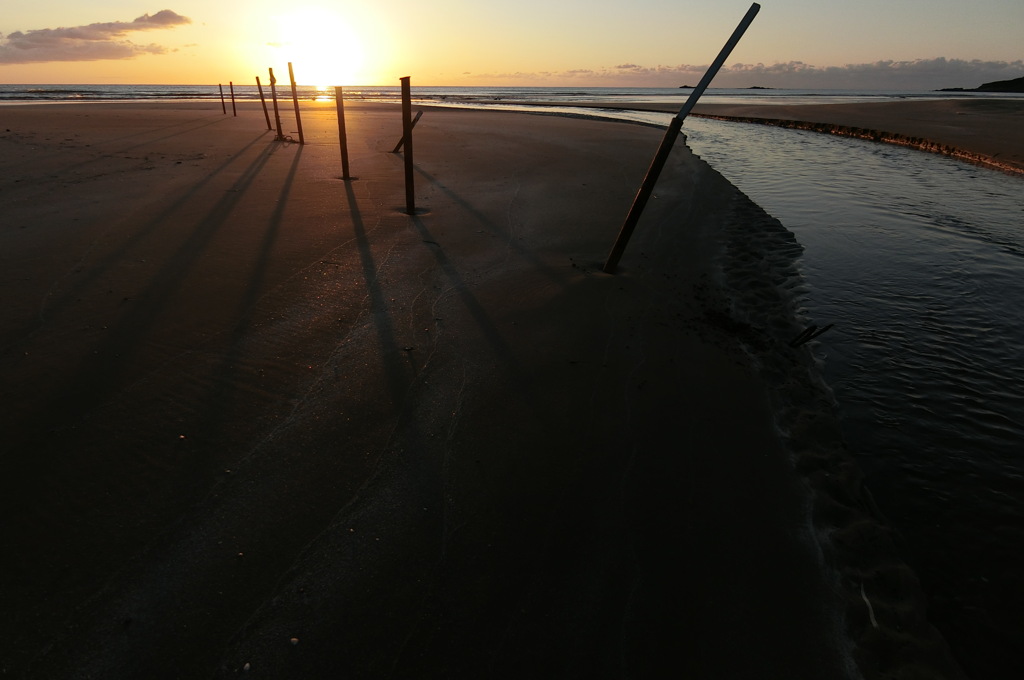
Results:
x,y
917,260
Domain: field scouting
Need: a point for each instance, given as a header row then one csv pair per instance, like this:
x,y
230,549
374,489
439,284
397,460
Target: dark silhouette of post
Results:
x,y
295,101
273,97
222,104
234,111
339,97
401,142
647,187
263,101
410,189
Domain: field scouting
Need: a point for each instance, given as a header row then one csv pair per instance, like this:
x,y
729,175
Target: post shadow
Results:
x,y
99,377
117,257
396,373
526,254
218,402
518,375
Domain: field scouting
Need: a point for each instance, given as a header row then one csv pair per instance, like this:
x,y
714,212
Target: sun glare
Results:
x,y
323,48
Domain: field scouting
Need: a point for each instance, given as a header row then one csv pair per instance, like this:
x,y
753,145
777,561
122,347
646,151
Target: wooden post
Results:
x,y
339,97
295,101
234,111
410,189
273,97
222,104
647,187
263,101
398,147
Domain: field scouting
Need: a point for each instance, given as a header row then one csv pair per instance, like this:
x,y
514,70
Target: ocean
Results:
x,y
916,260
25,94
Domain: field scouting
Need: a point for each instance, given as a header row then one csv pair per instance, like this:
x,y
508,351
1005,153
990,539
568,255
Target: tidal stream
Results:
x,y
918,260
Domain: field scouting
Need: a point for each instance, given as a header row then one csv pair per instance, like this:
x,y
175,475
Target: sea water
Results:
x,y
918,261
13,94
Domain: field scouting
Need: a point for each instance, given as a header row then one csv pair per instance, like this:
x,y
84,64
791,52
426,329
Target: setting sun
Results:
x,y
324,48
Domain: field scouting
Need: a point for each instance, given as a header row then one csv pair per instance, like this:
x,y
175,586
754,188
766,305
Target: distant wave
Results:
x,y
152,92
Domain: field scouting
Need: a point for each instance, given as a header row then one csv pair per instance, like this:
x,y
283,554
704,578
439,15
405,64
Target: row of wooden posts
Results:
x,y
408,123
639,202
273,91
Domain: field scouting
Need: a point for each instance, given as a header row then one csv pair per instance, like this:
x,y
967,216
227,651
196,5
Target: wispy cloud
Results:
x,y
86,43
923,74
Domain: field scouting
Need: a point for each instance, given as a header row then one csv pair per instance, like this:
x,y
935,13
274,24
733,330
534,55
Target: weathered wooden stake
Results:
x,y
410,189
234,111
273,97
661,156
222,105
398,147
339,97
295,101
263,101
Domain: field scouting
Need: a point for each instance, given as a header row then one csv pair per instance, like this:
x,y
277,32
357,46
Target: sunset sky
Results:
x,y
878,44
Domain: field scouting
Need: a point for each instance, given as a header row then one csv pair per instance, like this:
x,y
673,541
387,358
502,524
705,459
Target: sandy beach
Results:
x,y
260,419
981,131
975,130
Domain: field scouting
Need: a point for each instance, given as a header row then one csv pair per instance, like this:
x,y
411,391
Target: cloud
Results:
x,y
887,74
918,74
86,43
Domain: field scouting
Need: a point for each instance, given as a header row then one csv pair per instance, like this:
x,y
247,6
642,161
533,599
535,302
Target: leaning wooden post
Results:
x,y
222,104
339,97
273,97
263,101
234,111
661,156
398,147
295,101
410,190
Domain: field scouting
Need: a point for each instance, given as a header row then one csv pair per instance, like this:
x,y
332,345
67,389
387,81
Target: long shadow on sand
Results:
x,y
59,302
223,379
506,233
102,374
116,150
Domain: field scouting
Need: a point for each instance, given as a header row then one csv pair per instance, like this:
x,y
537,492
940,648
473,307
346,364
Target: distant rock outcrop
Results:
x,y
1015,85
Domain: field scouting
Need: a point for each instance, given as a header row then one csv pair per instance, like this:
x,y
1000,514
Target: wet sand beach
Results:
x,y
259,419
980,130
976,130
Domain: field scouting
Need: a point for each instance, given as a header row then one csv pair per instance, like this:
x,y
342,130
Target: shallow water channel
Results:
x,y
918,260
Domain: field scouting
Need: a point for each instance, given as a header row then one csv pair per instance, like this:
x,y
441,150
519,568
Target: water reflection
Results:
x,y
916,259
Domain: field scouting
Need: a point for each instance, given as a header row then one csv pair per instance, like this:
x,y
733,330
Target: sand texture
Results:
x,y
258,418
